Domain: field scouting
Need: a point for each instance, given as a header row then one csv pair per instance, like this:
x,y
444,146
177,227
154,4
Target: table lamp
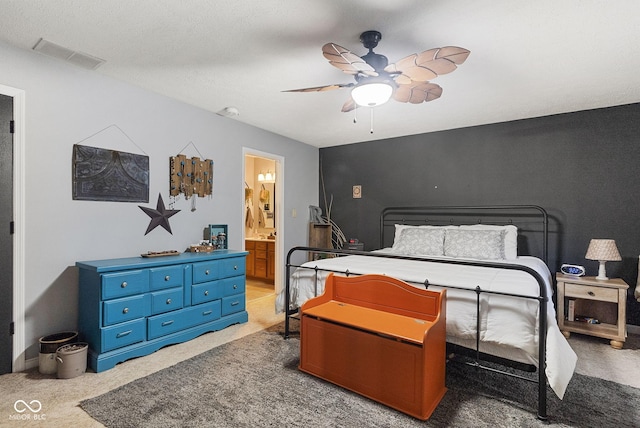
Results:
x,y
603,250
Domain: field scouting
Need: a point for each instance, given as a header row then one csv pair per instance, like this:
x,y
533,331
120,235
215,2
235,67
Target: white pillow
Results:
x,y
510,237
419,240
475,244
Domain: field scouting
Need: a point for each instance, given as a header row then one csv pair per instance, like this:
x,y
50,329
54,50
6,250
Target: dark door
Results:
x,y
6,234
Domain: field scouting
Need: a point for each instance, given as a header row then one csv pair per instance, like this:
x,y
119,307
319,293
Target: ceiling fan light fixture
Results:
x,y
372,94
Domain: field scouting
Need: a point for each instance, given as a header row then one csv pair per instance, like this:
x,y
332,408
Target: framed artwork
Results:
x,y
109,175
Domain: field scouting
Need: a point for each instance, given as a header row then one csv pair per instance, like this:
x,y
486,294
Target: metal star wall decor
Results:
x,y
159,216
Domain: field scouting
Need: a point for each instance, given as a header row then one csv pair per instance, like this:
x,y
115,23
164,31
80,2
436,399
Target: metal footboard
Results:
x,y
542,299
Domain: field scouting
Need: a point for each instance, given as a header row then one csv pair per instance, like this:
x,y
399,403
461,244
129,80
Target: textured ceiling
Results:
x,y
527,59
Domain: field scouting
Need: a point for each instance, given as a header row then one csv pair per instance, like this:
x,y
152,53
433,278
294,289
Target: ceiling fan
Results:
x,y
407,80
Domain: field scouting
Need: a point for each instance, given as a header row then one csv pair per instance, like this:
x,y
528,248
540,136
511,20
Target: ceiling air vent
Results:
x,y
78,58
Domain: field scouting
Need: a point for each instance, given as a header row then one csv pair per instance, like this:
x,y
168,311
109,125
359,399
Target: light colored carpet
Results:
x,y
60,398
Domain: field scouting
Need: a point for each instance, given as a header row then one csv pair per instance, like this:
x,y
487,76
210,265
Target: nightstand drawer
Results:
x,y
602,294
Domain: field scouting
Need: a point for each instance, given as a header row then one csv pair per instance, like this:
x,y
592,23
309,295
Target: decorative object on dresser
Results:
x,y
603,250
217,235
379,337
132,307
599,307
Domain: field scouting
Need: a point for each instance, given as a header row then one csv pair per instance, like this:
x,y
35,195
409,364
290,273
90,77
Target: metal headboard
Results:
x,y
531,220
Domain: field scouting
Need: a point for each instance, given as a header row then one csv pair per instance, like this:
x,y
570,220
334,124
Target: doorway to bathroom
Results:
x,y
262,201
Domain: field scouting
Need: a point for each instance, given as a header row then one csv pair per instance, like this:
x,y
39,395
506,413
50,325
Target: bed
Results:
x,y
493,262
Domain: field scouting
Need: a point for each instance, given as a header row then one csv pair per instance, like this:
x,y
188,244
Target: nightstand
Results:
x,y
603,300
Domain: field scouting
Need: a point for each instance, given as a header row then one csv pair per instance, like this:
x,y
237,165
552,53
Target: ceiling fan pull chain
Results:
x,y
371,120
355,115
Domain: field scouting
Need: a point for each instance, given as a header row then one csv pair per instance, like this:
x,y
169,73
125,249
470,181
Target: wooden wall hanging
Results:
x,y
190,176
109,175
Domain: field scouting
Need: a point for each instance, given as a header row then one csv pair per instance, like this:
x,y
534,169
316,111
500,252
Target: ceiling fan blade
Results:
x,y
323,88
349,105
346,60
428,65
417,93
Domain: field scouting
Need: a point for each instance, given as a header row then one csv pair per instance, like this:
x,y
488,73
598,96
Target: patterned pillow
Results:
x,y
475,244
510,237
426,241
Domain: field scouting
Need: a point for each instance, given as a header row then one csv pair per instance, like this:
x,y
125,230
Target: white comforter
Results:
x,y
505,321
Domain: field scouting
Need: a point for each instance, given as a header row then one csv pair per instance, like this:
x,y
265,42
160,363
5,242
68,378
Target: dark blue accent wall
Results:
x,y
582,167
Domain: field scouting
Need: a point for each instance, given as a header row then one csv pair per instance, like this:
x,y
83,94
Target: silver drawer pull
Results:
x,y
235,287
166,323
125,311
235,268
207,313
236,303
168,301
167,278
124,284
591,293
124,333
206,272
206,292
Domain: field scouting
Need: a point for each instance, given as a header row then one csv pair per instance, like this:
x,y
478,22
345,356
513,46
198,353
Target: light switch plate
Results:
x,y
357,192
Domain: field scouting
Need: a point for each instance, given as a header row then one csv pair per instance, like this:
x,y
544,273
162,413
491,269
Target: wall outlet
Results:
x,y
357,192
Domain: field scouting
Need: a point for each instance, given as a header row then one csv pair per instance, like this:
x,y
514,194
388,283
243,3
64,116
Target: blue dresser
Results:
x,y
134,306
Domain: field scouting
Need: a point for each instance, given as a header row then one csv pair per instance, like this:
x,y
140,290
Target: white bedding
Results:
x,y
506,322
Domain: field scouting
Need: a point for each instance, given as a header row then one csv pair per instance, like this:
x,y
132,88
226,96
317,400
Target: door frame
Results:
x,y
19,348
278,203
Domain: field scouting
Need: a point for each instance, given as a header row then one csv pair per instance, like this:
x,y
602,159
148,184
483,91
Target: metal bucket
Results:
x,y
47,363
72,360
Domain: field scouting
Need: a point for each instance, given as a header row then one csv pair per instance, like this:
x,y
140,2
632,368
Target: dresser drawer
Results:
x,y
166,300
602,294
205,271
206,292
232,267
125,309
234,285
161,325
233,304
123,334
166,277
122,284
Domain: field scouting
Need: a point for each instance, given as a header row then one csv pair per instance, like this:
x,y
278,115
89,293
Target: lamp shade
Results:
x,y
372,94
603,249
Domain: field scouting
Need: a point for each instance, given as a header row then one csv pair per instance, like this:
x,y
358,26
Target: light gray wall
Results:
x,y
64,106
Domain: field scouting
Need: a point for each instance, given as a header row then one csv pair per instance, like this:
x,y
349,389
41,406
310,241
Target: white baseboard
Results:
x,y
31,363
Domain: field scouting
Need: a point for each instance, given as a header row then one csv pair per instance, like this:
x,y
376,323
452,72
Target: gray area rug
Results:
x,y
254,382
